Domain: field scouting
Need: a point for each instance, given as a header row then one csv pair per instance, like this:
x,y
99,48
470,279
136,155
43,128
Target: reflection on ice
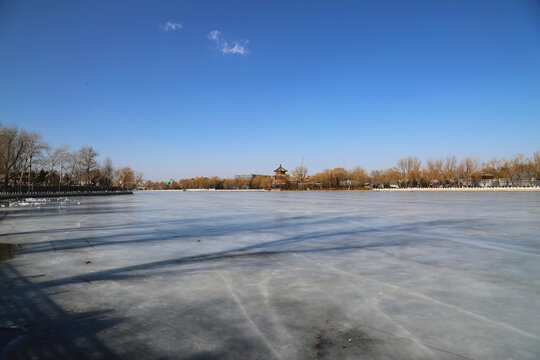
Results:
x,y
276,275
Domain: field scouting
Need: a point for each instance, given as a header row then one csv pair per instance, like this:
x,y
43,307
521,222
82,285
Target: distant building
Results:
x,y
244,176
526,182
485,180
280,178
347,183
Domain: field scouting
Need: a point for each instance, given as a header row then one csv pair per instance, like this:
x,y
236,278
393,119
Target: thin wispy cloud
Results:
x,y
214,35
171,26
226,47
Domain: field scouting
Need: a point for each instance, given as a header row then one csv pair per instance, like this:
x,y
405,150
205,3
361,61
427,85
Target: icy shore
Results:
x,y
472,189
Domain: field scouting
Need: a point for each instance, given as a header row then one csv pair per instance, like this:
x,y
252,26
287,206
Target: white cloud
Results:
x,y
171,26
214,35
236,47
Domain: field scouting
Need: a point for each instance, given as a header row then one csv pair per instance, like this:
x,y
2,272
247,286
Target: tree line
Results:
x,y
518,170
215,182
28,163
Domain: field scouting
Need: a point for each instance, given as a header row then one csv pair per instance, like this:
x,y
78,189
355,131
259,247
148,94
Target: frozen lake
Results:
x,y
239,275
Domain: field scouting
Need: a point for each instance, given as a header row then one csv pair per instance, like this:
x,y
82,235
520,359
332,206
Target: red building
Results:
x,y
281,177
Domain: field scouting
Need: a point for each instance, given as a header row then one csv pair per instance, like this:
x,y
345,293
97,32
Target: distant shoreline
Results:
x,y
497,189
61,194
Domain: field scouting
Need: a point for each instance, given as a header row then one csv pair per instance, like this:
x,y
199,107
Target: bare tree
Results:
x,y
391,176
493,167
410,169
434,169
87,158
73,168
468,167
12,148
126,177
261,182
359,176
108,171
63,157
450,169
139,179
536,158
34,149
530,172
51,161
300,172
377,178
518,169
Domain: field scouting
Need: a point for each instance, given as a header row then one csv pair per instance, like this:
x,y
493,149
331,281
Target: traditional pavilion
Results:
x,y
280,178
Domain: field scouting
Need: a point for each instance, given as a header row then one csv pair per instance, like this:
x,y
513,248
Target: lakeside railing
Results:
x,y
25,195
37,188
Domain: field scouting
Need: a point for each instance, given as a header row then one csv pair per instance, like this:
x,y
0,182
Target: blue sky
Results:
x,y
240,86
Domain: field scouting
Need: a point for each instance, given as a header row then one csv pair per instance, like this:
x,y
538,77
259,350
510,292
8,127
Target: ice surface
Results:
x,y
286,275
